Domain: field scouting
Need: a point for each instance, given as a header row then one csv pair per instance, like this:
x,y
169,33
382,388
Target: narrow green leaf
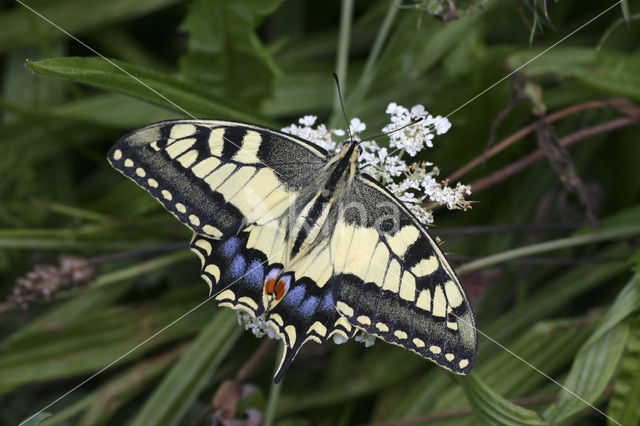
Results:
x,y
110,397
624,5
224,50
22,27
112,110
592,369
611,72
547,345
184,97
624,405
561,243
274,393
186,379
627,302
491,408
35,420
615,25
98,339
365,377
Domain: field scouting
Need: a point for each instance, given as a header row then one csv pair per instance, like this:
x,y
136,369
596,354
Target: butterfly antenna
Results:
x,y
364,166
335,76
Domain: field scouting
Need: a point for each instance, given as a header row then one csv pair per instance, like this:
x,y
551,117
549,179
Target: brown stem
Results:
x,y
524,132
253,362
532,158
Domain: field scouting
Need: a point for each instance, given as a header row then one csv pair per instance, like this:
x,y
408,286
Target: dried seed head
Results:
x,y
44,281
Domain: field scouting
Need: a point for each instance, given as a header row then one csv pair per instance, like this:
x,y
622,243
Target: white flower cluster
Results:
x,y
414,184
258,326
320,135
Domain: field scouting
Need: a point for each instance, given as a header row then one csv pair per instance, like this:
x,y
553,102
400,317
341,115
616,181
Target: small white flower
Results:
x,y
441,124
365,338
357,126
391,108
417,110
308,120
339,339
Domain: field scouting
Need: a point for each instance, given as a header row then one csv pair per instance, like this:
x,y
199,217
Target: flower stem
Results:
x,y
356,95
344,38
561,243
274,394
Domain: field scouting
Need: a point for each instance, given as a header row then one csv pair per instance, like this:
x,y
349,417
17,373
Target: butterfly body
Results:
x,y
301,241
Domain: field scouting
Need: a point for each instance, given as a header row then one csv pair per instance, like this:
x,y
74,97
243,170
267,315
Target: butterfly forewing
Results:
x,y
217,176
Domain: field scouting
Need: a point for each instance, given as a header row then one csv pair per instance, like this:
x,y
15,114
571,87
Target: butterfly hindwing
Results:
x,y
239,276
394,282
217,176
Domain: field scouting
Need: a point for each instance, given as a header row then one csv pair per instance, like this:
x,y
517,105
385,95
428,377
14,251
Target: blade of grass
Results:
x,y
533,249
344,37
489,407
592,369
274,393
183,383
97,339
624,405
187,98
368,73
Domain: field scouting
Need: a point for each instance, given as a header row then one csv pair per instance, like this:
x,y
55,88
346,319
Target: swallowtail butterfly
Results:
x,y
302,240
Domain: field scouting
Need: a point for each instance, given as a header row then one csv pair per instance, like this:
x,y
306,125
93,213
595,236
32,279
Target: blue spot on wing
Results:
x,y
309,306
231,246
295,296
327,302
255,273
236,269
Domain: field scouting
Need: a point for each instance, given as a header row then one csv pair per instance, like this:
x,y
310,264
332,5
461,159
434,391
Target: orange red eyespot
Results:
x,y
271,280
270,285
282,287
276,285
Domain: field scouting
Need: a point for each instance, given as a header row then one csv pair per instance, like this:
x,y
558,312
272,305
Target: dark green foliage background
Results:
x,y
270,62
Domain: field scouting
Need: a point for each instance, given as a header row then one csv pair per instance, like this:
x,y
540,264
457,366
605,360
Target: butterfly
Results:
x,y
302,241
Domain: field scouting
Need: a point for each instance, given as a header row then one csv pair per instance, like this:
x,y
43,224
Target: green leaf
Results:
x,y
35,420
624,405
186,379
97,339
188,99
624,5
627,302
111,396
491,408
224,50
592,369
112,110
23,27
608,71
548,345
